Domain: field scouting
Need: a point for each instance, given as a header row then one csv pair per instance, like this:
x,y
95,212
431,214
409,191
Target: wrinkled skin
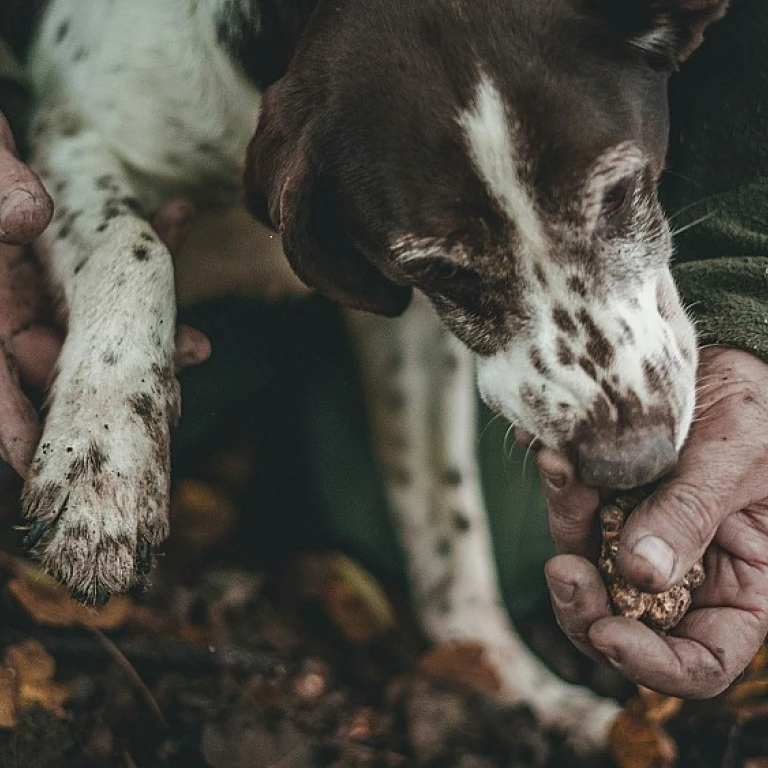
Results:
x,y
29,340
716,504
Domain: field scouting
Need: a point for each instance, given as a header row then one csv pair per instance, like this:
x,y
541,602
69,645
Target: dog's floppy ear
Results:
x,y
287,190
676,27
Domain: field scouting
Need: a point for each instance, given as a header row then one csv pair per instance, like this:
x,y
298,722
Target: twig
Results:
x,y
143,650
130,672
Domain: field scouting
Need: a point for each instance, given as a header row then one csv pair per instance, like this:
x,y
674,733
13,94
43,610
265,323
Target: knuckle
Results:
x,y
690,512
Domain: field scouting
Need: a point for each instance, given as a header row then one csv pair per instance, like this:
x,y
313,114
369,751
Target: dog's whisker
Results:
x,y
694,204
692,224
488,425
528,451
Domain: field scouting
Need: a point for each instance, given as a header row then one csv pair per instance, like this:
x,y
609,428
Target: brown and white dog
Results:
x,y
493,160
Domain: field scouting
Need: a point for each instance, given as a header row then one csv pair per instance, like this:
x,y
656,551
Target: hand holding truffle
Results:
x,y
716,506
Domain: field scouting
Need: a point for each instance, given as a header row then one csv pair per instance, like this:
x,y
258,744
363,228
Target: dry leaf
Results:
x,y
33,669
636,742
7,698
202,516
354,600
462,664
48,603
749,689
657,707
760,662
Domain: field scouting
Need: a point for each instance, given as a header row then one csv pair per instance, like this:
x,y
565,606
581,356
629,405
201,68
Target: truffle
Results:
x,y
662,610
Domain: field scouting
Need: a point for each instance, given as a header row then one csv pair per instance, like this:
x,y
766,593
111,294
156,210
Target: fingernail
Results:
x,y
562,591
657,553
556,481
16,199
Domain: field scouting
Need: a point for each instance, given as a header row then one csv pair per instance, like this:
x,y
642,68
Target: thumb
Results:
x,y
669,532
25,207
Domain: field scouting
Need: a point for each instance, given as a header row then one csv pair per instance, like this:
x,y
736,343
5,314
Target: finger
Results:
x,y
19,425
172,222
711,648
572,507
579,599
36,351
25,206
192,347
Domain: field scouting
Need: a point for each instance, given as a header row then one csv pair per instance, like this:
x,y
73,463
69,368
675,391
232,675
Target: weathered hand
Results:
x,y
715,503
29,340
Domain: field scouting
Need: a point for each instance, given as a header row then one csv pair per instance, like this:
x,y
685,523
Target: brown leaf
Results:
x,y
462,664
760,663
7,698
354,600
48,603
636,742
657,707
749,689
33,669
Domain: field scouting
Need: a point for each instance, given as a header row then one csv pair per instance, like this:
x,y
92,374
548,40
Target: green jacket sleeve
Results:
x,y
716,191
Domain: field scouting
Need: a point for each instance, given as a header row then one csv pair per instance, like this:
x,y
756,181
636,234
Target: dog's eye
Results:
x,y
617,197
439,275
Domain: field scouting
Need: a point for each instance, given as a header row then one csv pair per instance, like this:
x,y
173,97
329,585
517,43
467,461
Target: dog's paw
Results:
x,y
96,496
582,717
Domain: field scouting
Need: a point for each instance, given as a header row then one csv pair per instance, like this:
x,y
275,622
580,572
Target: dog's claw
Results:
x,y
101,597
143,557
95,597
34,534
80,596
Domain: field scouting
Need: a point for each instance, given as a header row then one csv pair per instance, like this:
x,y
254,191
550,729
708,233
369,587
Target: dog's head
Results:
x,y
501,157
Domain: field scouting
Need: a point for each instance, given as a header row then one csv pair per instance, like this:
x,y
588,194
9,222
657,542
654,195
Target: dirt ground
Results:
x,y
307,661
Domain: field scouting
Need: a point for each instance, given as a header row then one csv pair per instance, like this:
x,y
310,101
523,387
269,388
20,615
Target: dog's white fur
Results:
x,y
490,140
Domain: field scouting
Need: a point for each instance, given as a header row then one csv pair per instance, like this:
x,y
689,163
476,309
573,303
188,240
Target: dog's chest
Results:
x,y
155,81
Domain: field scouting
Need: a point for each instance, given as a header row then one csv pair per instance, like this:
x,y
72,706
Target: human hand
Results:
x,y
29,340
716,504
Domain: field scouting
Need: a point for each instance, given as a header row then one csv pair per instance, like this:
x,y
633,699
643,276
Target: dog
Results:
x,y
491,163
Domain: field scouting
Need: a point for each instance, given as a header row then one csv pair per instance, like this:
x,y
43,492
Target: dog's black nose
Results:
x,y
625,461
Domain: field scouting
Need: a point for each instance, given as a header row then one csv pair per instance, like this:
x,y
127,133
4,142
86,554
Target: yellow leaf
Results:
x,y
355,601
749,689
33,668
657,707
48,603
635,742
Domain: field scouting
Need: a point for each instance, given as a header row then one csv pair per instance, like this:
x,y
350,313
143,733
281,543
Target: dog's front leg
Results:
x,y
96,495
421,395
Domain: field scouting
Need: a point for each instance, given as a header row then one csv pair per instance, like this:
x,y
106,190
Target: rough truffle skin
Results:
x,y
661,611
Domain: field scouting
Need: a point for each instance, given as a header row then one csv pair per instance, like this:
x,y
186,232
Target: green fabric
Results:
x,y
717,190
14,98
352,500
